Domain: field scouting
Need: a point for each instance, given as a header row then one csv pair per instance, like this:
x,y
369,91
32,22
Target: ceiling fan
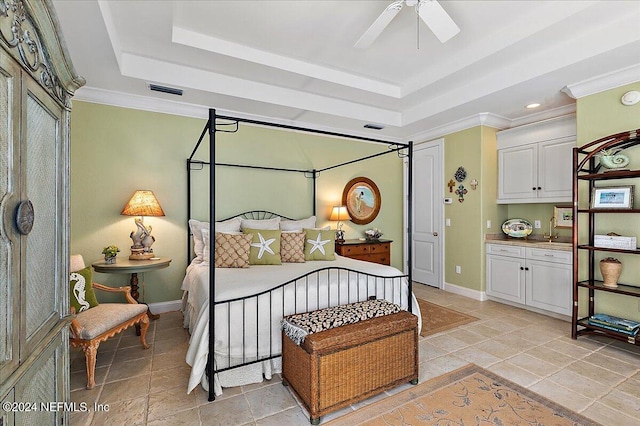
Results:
x,y
430,11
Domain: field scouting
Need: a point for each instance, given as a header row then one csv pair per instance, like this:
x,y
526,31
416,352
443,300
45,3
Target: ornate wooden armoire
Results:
x,y
37,81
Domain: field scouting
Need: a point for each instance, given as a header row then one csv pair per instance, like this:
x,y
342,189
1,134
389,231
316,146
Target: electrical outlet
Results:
x,y
488,224
458,269
537,224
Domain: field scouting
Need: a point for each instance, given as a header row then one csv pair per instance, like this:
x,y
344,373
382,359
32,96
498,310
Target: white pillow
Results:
x,y
230,225
266,224
207,245
298,225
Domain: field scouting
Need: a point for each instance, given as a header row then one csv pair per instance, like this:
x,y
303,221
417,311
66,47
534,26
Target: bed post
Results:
x,y
315,179
212,226
409,235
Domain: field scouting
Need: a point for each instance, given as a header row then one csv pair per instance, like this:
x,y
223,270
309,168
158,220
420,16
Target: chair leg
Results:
x,y
90,351
144,325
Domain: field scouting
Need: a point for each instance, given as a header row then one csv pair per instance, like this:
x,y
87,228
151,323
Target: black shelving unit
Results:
x,y
587,169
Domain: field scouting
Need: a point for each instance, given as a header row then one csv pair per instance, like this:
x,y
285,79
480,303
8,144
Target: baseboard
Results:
x,y
466,292
168,306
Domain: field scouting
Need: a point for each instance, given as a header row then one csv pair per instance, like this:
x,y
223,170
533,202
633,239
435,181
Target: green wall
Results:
x,y
474,149
600,115
115,151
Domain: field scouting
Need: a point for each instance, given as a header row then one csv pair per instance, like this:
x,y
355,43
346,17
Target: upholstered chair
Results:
x,y
92,326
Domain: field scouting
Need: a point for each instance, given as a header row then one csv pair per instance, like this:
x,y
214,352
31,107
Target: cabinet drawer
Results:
x,y
382,258
556,256
352,250
505,250
379,248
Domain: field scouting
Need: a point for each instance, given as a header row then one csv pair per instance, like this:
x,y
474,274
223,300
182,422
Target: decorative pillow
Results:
x,y
265,246
81,294
292,247
261,224
319,244
232,250
230,225
298,225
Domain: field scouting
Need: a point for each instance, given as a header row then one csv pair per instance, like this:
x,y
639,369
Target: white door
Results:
x,y
427,213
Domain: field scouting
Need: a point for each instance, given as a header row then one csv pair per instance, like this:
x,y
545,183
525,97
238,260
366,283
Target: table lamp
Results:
x,y
340,214
142,203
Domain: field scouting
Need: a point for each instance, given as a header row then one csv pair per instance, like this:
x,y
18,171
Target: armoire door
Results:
x,y
44,166
9,197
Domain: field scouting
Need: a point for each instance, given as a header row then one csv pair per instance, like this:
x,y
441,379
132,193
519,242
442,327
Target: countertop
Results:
x,y
537,242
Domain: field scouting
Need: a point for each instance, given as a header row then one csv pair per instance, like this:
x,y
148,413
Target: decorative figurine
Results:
x,y
142,241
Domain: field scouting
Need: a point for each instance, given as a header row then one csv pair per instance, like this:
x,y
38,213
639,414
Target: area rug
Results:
x,y
470,395
436,318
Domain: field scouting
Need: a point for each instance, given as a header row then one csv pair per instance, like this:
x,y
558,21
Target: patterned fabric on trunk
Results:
x,y
298,326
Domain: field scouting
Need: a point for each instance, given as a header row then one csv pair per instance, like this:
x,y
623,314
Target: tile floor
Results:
x,y
599,378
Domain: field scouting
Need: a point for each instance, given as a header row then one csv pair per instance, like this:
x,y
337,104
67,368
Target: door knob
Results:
x,y
435,234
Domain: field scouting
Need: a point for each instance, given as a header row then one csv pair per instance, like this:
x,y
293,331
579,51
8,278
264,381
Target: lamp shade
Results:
x,y
339,213
143,203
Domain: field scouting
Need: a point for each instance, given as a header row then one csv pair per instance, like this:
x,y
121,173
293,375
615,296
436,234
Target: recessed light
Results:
x,y
534,105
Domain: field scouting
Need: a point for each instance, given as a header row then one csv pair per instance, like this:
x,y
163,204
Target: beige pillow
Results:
x,y
292,247
273,223
232,250
298,225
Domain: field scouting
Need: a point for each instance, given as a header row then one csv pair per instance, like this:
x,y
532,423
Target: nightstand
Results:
x,y
378,251
133,267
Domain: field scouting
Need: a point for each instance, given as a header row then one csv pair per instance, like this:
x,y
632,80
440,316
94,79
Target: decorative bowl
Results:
x,y
373,234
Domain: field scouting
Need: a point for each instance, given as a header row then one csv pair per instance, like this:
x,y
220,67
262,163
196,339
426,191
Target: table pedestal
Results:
x,y
136,294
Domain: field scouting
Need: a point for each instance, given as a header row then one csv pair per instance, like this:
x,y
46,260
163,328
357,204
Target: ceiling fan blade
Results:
x,y
437,19
379,25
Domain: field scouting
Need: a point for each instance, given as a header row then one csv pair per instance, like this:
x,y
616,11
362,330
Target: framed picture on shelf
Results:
x,y
613,197
563,216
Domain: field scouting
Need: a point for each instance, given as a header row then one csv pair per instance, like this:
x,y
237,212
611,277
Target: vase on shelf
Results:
x,y
109,260
610,268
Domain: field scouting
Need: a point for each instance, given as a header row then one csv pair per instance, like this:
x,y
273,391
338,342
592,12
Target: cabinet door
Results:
x,y
44,183
549,286
506,278
517,169
9,197
555,175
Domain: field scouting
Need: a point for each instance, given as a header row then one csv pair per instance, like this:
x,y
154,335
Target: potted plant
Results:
x,y
110,253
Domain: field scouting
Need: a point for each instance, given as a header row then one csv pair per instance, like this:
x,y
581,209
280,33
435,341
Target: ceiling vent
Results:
x,y
373,126
165,89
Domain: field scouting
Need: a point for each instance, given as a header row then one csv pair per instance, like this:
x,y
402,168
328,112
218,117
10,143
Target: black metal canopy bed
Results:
x,y
239,341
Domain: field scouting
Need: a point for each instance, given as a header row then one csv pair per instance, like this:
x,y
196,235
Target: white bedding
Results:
x,y
308,295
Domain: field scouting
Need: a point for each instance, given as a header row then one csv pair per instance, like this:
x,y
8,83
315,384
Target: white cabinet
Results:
x,y
505,272
530,276
534,170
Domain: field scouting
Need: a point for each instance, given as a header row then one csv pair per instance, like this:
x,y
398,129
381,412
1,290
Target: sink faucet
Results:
x,y
552,224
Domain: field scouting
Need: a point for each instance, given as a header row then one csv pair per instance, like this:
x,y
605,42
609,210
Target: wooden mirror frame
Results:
x,y
365,215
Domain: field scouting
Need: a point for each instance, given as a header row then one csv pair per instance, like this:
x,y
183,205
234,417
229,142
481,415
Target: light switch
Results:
x,y
447,222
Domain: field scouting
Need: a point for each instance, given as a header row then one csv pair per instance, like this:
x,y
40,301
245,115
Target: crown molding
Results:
x,y
145,103
603,82
481,119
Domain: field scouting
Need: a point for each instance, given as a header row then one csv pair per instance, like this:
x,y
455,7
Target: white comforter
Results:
x,y
254,317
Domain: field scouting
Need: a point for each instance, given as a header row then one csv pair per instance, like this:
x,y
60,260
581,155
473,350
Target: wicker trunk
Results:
x,y
344,365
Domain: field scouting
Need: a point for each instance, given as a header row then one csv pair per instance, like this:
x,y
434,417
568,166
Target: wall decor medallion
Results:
x,y
460,174
362,198
460,192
